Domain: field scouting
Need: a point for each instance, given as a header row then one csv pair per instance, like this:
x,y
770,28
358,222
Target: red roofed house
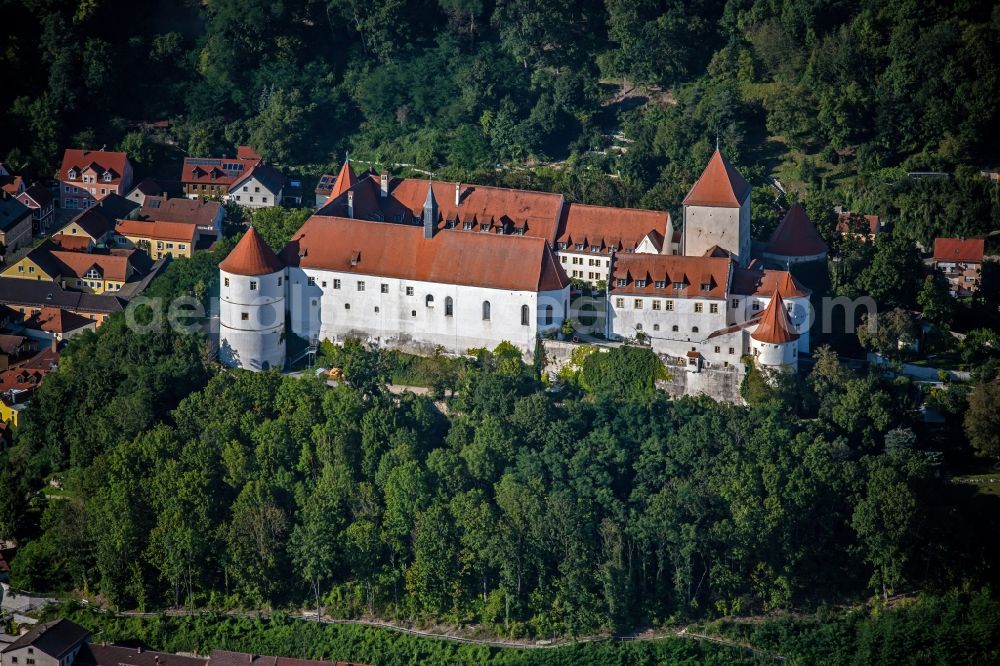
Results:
x,y
717,212
9,183
157,238
795,240
864,227
212,176
87,176
961,261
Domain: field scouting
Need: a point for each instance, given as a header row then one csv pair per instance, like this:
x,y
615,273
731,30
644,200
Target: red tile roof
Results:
x,y
605,228
252,256
56,320
247,153
100,160
848,222
536,213
796,236
775,327
180,209
112,266
757,282
493,261
969,250
13,344
345,180
692,273
13,184
157,229
72,243
720,184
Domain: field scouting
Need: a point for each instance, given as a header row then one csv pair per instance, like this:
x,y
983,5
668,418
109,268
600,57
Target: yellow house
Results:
x,y
80,271
158,238
36,265
8,413
91,223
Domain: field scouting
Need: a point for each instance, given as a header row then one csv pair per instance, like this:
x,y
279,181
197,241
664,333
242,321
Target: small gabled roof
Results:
x,y
40,195
52,638
720,184
251,256
796,236
93,221
265,174
56,320
247,153
775,327
959,249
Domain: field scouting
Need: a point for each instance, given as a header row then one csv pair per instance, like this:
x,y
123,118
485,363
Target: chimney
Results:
x,y
384,179
55,344
430,212
458,194
138,650
350,204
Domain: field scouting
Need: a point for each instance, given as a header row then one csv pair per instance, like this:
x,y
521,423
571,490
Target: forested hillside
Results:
x,y
822,93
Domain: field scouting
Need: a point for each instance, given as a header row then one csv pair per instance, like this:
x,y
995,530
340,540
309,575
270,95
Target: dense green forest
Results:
x,y
598,508
832,96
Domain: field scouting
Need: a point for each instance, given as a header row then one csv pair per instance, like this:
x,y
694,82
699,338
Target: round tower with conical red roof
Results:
x,y
774,341
252,306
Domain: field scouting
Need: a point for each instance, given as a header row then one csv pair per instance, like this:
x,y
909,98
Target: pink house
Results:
x,y
87,176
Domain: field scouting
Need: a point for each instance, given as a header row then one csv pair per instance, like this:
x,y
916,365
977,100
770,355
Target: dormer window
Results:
x,y
562,246
660,284
678,286
467,226
640,283
579,246
72,174
622,282
107,176
705,286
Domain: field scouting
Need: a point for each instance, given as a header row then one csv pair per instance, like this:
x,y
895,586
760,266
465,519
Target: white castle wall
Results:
x,y
391,317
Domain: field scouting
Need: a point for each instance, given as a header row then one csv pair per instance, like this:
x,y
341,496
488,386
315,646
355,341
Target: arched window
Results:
x,y
638,327
548,315
449,307
486,310
694,329
525,315
429,301
674,328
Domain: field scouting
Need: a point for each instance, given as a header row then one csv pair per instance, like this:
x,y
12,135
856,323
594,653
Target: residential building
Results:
x,y
93,272
17,384
42,205
93,224
157,238
26,297
48,644
15,224
961,262
260,186
208,216
14,348
795,240
154,187
50,323
87,176
210,177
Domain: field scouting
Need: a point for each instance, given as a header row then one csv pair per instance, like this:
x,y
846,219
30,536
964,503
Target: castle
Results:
x,y
421,266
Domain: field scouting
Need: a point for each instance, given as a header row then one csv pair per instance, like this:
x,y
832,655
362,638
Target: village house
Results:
x,y
26,297
93,272
87,176
261,186
47,644
208,216
158,238
961,262
152,187
211,176
15,224
42,205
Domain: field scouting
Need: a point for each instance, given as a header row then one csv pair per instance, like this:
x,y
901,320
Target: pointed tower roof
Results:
x,y
720,184
345,180
429,200
251,256
775,327
796,236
